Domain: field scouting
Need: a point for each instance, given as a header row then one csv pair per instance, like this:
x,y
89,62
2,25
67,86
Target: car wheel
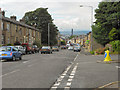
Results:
x,y
14,58
20,58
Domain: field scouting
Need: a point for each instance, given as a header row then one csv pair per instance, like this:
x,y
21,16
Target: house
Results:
x,y
13,31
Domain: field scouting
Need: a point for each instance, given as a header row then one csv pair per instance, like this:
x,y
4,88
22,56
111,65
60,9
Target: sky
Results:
x,y
67,14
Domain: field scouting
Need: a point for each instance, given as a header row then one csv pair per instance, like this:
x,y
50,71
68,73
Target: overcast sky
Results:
x,y
67,14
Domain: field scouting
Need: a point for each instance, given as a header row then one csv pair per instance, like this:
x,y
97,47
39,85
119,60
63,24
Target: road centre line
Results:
x,y
69,82
75,57
58,81
10,73
25,61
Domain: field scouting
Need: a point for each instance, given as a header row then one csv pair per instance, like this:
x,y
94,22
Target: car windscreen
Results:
x,y
24,45
45,47
77,47
55,47
5,48
16,47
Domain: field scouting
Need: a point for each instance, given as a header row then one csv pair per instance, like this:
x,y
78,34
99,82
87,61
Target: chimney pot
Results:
x,y
13,17
3,13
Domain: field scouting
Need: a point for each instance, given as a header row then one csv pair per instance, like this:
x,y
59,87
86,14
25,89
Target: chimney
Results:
x,y
13,17
0,13
21,20
3,13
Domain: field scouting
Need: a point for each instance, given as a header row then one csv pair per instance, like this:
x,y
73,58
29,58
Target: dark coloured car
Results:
x,y
28,48
46,49
36,49
55,48
63,47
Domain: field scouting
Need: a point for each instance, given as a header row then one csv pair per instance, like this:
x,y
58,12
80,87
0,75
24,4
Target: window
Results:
x,y
8,40
5,48
20,31
15,49
8,27
3,39
2,25
16,38
16,28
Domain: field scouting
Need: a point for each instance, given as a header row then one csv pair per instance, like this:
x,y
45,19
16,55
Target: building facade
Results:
x,y
17,31
0,28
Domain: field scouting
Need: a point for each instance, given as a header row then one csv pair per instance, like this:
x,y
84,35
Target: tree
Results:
x,y
40,18
107,16
113,35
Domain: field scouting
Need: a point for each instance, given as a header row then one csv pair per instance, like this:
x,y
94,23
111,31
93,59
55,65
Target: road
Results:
x,y
64,69
36,70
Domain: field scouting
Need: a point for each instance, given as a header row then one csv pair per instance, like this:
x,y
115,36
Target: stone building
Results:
x,y
92,45
0,28
13,30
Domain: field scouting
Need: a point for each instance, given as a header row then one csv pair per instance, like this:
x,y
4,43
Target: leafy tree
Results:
x,y
40,18
37,42
113,35
107,17
63,42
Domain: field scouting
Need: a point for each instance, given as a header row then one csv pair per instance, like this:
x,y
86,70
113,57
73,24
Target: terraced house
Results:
x,y
13,30
0,28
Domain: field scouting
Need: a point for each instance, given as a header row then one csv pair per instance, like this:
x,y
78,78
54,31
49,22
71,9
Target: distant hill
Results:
x,y
74,32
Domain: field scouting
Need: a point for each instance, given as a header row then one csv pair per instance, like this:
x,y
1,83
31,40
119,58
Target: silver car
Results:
x,y
22,49
77,49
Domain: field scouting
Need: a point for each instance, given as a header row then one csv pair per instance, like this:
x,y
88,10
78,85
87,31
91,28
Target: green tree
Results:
x,y
107,16
40,18
113,35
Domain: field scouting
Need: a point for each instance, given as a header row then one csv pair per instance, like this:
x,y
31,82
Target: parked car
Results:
x,y
36,49
55,48
70,48
28,48
77,49
20,48
10,52
46,49
63,47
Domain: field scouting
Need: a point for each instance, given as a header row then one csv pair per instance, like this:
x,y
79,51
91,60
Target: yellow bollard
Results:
x,y
107,56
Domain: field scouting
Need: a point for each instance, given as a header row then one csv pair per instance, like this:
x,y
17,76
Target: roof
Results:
x,y
19,23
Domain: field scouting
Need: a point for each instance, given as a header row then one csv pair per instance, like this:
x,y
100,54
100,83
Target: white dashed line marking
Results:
x,y
117,67
25,61
71,77
75,58
10,73
68,84
57,84
69,80
58,81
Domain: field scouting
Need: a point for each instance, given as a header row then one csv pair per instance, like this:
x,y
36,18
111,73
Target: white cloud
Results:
x,y
66,13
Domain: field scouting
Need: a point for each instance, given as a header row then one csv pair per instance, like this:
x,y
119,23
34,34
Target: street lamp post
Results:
x,y
91,24
48,34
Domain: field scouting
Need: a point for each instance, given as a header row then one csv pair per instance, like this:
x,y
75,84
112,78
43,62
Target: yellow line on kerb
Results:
x,y
109,84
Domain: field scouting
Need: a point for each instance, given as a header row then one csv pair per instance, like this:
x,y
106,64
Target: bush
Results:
x,y
115,45
92,52
9,44
63,42
37,42
101,50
